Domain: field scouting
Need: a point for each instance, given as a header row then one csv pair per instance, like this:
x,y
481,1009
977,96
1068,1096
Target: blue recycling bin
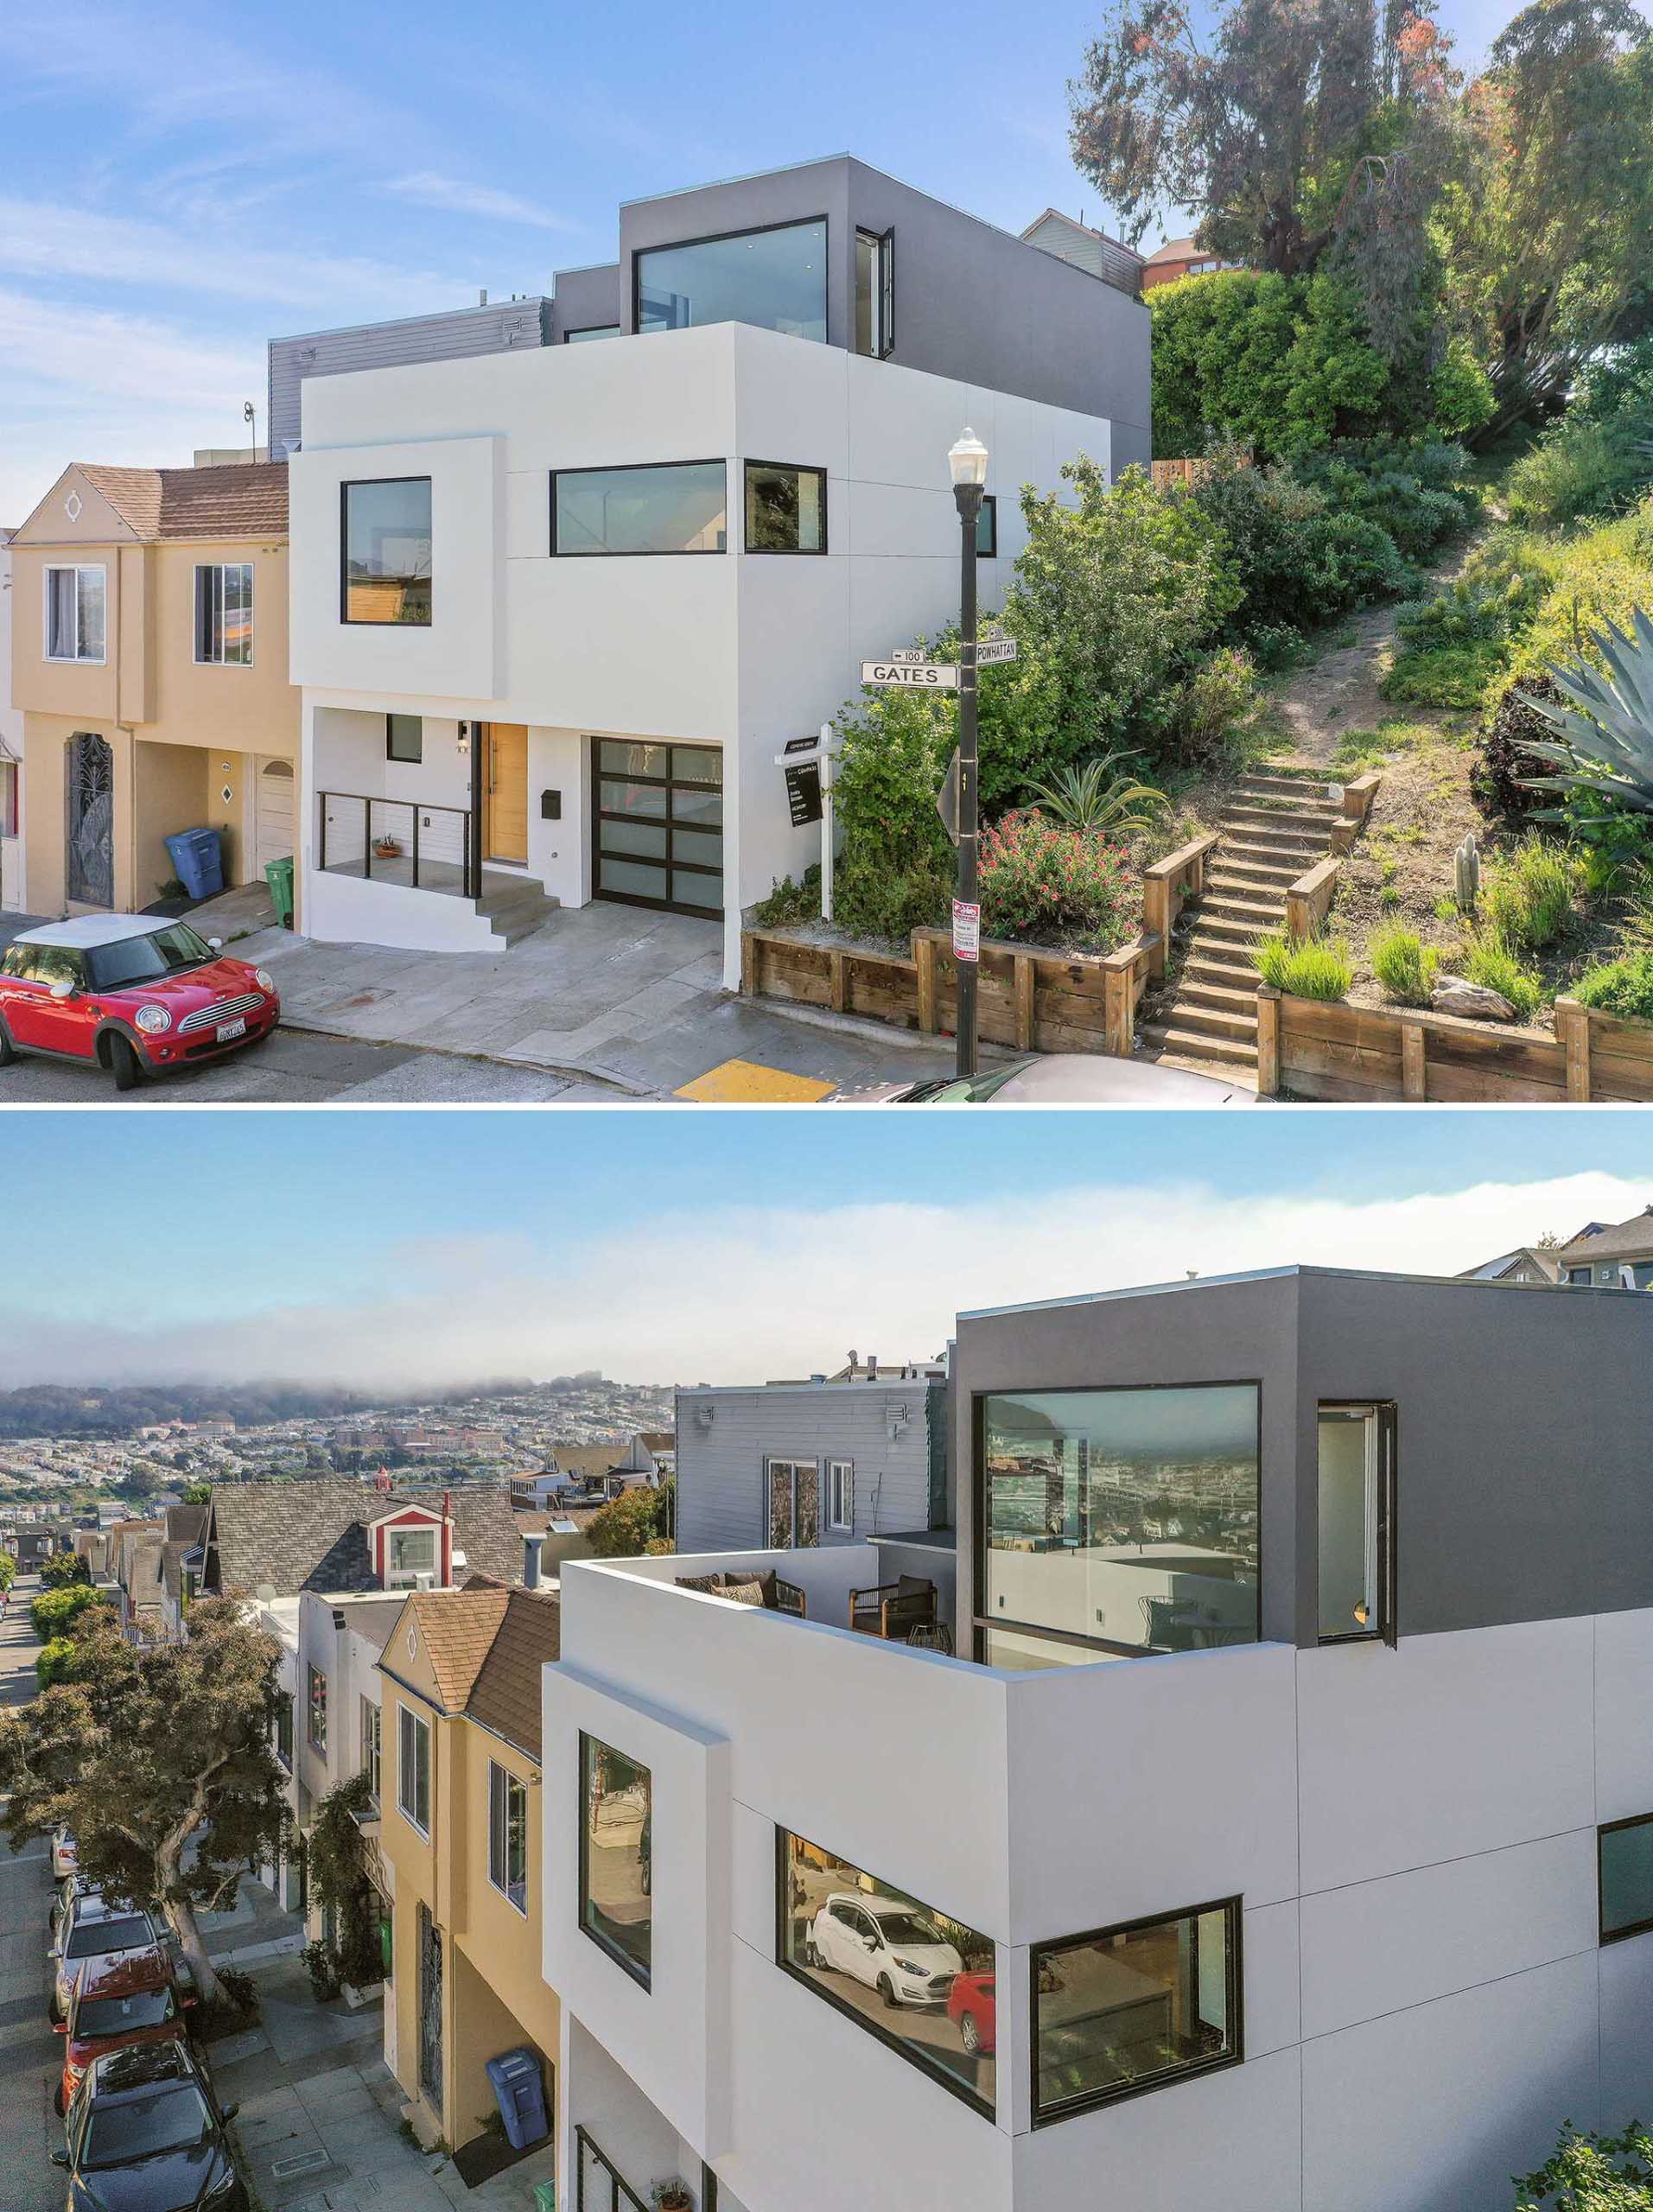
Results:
x,y
521,2093
198,855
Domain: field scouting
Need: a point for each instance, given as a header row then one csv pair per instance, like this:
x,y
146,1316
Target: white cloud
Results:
x,y
425,189
750,1292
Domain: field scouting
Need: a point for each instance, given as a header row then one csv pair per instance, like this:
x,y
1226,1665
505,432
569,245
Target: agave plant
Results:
x,y
1101,798
1603,726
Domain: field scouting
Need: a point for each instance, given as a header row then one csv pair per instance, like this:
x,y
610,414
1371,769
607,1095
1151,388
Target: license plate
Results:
x,y
228,1029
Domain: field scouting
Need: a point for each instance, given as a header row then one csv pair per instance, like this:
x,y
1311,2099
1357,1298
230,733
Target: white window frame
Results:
x,y
400,1577
502,1781
840,1496
409,1721
219,570
77,569
372,1744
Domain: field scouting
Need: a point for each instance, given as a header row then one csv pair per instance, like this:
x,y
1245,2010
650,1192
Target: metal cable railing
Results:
x,y
412,842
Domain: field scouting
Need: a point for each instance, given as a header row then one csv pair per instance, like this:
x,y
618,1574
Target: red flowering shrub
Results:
x,y
1047,884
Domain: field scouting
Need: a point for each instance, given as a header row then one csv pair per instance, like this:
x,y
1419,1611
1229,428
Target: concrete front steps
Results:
x,y
1275,830
513,906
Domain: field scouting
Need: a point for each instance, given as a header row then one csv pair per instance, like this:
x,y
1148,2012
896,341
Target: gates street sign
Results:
x,y
912,675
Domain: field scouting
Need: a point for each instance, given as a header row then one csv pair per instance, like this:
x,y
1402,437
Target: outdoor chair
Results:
x,y
893,1609
767,1590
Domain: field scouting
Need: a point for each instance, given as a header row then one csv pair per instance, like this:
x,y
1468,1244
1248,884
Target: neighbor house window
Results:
x,y
1355,1514
224,614
508,1834
1134,2007
921,1983
616,1854
409,1553
404,737
74,614
413,1770
840,1496
318,1710
794,1503
386,551
675,507
775,278
370,1745
1116,1521
1625,1861
785,508
284,1731
987,528
875,293
594,330
8,798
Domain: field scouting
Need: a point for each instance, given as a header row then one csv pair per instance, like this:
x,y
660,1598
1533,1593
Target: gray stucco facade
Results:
x,y
504,326
1523,1473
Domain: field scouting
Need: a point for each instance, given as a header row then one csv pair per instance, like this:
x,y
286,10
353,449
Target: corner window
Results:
x,y
1117,1521
678,507
987,528
616,1855
386,552
404,737
1625,1866
318,1710
785,509
224,614
508,1834
413,1770
774,278
794,1503
840,1496
1134,2007
1356,1515
74,614
875,293
370,1745
922,1983
594,330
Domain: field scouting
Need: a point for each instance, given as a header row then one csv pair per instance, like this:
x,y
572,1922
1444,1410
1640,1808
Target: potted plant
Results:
x,y
387,848
672,2195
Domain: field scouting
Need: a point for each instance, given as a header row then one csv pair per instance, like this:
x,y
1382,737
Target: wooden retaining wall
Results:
x,y
1369,1054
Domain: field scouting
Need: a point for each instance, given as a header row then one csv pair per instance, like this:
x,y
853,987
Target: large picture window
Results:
x,y
74,614
675,507
224,613
775,278
925,1984
508,1834
785,508
1625,1861
387,553
413,1770
616,1855
1132,2007
1115,1522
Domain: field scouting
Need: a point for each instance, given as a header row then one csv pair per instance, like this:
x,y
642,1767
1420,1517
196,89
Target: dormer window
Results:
x,y
409,1553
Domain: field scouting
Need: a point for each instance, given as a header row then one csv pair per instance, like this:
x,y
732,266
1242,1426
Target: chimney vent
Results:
x,y
531,1547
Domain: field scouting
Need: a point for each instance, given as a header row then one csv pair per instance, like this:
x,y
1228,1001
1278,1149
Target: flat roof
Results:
x,y
1275,1275
97,929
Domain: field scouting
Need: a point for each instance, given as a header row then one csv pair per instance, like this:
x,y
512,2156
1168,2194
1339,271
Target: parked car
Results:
x,y
135,993
887,1944
93,1934
972,2009
1061,1079
135,2000
65,1897
66,1854
146,2134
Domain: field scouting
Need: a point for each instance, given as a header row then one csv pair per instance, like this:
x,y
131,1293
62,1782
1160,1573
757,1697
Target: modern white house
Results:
x,y
1281,1815
557,606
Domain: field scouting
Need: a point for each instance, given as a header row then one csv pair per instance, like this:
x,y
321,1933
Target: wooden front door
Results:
x,y
504,793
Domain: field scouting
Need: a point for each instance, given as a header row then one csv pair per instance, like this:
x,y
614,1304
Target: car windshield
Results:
x,y
141,959
115,1931
117,2016
172,2118
907,1928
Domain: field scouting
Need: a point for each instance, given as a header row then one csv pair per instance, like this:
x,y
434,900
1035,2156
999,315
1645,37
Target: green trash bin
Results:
x,y
278,875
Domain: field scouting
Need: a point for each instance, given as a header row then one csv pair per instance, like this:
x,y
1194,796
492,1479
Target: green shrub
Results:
x,y
789,902
1405,966
1528,900
1217,697
1490,962
1295,558
1313,967
54,1662
1581,470
1046,884
1621,986
896,867
52,1611
1592,2173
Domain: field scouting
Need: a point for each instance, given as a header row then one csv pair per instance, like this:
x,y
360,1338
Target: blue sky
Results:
x,y
181,182
383,1250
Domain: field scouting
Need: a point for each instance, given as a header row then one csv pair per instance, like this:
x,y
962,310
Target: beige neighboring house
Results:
x,y
149,666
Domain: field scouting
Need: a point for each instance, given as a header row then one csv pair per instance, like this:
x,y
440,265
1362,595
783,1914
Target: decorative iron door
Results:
x,y
429,2008
90,846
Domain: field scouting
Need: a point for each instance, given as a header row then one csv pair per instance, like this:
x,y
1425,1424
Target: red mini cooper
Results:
x,y
133,993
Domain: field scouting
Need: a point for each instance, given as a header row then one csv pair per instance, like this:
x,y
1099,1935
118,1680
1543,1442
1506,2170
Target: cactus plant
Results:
x,y
1466,875
1603,724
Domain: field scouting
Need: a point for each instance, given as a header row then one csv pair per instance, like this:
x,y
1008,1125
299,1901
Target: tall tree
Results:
x,y
160,1762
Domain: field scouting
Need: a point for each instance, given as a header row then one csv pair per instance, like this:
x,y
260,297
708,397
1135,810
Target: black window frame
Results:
x,y
632,468
669,862
990,509
1233,1909
316,1706
347,485
718,238
883,243
981,1624
1604,1934
1384,1630
915,2054
784,552
643,1975
407,759
594,330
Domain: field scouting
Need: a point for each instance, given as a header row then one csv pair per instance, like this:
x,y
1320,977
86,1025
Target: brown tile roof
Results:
x,y
1622,1240
1173,250
505,1695
242,498
458,1628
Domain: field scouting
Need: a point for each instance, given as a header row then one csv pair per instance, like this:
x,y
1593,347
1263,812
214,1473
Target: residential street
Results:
x,y
30,2053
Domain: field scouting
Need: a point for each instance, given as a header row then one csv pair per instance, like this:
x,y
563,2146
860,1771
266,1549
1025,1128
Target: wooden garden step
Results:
x,y
1221,997
1295,817
1272,837
1171,1037
1309,786
1226,906
1229,1028
1217,933
1227,974
1274,874
1293,860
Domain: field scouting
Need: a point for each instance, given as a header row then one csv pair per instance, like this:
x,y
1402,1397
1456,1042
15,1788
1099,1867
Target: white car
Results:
x,y
66,1854
888,1945
94,1934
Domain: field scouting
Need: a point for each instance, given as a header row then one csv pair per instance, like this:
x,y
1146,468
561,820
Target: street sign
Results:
x,y
967,931
912,675
909,652
947,798
995,648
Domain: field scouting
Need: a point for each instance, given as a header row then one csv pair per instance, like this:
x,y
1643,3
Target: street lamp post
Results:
x,y
968,461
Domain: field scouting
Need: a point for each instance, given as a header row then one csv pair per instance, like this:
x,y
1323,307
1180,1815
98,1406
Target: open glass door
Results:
x,y
1356,1499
